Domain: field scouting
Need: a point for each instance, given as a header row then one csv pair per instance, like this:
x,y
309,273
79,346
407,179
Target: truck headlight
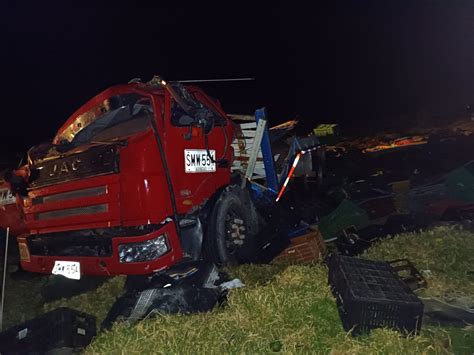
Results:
x,y
24,252
143,251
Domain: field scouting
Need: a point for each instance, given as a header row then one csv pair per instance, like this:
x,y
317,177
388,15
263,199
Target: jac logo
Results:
x,y
64,168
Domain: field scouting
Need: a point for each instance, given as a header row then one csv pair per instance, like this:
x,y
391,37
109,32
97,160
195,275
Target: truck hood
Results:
x,y
47,151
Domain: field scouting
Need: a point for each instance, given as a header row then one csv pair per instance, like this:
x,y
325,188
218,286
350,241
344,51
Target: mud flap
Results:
x,y
191,237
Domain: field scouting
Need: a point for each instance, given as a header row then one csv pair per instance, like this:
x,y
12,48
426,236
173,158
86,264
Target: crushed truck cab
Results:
x,y
140,177
110,189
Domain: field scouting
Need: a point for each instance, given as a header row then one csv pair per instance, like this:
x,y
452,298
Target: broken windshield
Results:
x,y
187,109
115,117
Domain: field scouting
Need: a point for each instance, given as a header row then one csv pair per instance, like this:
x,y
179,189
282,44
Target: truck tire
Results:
x,y
230,236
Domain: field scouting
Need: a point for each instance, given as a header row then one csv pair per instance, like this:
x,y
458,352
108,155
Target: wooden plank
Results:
x,y
244,126
246,156
239,164
245,159
247,134
243,144
244,163
247,141
240,117
255,148
243,148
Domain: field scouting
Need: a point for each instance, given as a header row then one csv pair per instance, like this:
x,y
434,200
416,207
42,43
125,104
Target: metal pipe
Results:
x,y
4,278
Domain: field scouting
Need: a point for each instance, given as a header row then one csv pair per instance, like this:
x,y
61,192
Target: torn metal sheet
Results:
x,y
439,312
347,214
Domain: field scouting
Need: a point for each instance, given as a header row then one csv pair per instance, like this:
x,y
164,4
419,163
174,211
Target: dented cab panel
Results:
x,y
118,164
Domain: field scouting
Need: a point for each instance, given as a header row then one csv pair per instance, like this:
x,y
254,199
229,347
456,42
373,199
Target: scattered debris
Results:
x,y
439,312
229,285
304,249
347,214
55,330
328,133
409,274
397,143
370,294
188,287
378,186
326,129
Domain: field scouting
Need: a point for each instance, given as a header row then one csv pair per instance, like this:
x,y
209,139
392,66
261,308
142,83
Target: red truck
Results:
x,y
136,179
128,182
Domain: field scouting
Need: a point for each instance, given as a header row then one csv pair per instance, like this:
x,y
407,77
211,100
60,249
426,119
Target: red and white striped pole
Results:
x,y
290,174
292,170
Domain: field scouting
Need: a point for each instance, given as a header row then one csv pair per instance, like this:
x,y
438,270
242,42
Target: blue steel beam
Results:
x,y
268,162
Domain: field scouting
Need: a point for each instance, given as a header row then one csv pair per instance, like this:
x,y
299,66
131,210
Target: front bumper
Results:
x,y
110,264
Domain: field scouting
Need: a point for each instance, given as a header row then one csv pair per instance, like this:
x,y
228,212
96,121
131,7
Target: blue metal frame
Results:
x,y
271,176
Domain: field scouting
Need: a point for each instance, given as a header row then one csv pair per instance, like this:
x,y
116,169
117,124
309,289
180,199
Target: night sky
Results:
x,y
354,62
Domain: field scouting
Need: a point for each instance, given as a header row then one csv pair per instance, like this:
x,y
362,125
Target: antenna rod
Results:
x,y
213,80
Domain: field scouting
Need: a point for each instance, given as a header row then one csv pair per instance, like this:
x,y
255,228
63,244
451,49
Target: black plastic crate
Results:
x,y
370,294
60,328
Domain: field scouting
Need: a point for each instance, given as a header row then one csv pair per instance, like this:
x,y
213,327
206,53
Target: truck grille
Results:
x,y
90,192
77,211
85,242
95,200
70,245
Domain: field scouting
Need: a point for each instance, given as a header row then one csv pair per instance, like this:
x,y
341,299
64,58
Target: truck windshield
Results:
x,y
194,111
116,117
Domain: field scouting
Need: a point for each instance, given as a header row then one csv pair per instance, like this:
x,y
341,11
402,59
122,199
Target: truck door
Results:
x,y
196,160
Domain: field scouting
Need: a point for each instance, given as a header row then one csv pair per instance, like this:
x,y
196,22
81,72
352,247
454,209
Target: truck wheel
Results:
x,y
231,231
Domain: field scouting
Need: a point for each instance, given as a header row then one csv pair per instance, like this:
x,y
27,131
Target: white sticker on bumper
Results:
x,y
69,269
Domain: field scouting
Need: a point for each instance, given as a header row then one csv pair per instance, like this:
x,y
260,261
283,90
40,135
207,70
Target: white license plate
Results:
x,y
198,161
6,197
69,269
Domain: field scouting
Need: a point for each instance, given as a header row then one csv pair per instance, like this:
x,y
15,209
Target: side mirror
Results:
x,y
205,119
206,125
185,120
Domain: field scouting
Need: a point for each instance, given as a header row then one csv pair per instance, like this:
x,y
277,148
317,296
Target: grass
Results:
x,y
23,300
282,308
289,308
445,255
97,302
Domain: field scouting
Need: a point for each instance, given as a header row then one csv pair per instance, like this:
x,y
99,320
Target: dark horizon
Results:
x,y
352,62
